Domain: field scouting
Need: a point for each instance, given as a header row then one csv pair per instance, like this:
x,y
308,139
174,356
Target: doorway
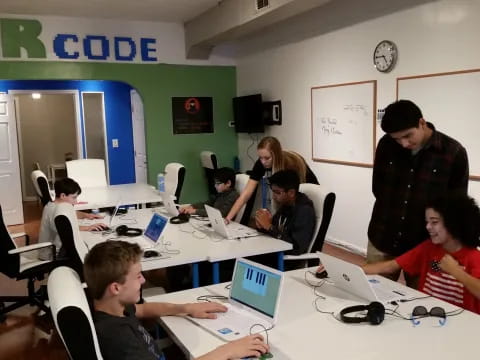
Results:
x,y
95,127
48,131
116,127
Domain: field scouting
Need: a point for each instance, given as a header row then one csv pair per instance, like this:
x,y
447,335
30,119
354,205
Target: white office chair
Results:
x,y
71,314
240,183
323,203
87,172
40,184
209,164
16,264
174,177
68,230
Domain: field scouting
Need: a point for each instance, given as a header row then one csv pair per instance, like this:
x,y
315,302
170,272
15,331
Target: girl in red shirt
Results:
x,y
448,263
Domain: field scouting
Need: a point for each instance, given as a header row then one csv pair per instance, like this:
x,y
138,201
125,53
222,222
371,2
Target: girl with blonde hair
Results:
x,y
272,158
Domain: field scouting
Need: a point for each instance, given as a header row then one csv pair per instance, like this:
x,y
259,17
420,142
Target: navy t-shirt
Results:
x,y
123,338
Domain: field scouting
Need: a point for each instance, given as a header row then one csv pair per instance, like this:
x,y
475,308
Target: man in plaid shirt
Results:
x,y
413,162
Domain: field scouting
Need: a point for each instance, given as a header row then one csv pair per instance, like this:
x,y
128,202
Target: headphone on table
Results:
x,y
375,313
180,219
124,230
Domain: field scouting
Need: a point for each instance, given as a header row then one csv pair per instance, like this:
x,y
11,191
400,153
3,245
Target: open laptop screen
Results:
x,y
169,204
256,288
155,227
114,213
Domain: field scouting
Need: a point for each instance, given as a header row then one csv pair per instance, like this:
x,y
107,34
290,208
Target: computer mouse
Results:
x,y
321,275
262,357
151,253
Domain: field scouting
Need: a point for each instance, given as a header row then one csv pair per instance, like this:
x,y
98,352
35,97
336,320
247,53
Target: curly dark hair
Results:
x,y
461,217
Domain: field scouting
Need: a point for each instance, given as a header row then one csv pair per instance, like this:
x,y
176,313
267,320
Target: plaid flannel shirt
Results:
x,y
402,184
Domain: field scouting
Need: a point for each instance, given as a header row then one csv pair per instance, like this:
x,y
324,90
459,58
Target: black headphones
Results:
x,y
375,313
124,230
180,219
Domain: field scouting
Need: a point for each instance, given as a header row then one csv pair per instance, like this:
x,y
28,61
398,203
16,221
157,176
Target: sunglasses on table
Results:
x,y
422,312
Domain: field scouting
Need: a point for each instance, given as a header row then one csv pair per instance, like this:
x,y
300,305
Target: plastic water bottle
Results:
x,y
236,164
161,182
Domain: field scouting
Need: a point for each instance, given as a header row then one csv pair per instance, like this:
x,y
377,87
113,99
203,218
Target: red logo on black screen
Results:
x,y
192,106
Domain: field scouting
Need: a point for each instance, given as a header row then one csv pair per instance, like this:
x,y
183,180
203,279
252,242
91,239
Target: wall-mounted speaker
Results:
x,y
272,112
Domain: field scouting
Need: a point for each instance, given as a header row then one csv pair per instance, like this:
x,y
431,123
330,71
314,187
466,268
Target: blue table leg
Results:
x,y
281,266
216,272
195,275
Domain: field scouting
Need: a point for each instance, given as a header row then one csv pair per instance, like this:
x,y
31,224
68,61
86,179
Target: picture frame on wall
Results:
x,y
192,115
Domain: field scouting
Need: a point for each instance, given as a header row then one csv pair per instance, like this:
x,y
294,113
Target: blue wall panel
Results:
x,y
118,118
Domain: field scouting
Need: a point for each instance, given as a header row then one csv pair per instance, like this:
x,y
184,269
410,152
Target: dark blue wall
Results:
x,y
118,118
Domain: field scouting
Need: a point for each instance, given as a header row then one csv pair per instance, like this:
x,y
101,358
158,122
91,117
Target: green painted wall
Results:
x,y
157,83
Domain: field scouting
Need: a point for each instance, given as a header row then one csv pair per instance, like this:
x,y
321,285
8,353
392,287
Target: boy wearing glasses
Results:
x,y
448,263
294,221
179,276
66,191
225,198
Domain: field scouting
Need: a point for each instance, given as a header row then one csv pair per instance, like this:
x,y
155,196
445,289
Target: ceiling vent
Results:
x,y
261,4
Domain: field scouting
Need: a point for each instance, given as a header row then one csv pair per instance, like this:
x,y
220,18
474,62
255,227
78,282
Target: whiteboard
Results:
x,y
343,123
450,101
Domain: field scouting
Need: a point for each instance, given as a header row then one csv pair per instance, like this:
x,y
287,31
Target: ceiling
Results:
x,y
147,10
209,23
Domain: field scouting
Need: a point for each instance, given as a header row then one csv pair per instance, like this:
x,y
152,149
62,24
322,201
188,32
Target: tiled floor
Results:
x,y
25,336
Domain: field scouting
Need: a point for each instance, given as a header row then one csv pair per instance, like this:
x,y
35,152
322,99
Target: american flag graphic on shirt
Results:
x,y
443,286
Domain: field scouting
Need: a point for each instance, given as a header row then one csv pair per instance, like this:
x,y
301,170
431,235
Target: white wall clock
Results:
x,y
385,56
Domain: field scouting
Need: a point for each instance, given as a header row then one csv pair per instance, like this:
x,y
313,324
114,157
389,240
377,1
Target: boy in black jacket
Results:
x,y
294,221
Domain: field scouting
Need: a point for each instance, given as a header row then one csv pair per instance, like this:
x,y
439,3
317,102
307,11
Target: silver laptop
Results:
x,y
254,298
352,278
231,231
114,213
169,204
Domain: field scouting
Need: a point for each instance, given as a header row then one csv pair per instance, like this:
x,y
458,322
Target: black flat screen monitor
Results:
x,y
248,114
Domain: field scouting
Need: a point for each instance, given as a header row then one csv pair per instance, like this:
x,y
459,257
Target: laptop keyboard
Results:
x,y
238,230
237,320
384,294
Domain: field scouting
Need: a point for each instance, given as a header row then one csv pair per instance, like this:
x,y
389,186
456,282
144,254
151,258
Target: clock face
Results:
x,y
385,56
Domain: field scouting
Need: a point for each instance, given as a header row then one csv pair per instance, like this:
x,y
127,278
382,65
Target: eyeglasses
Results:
x,y
421,312
218,183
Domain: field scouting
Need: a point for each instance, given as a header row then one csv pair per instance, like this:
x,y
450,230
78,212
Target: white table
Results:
x,y
190,250
127,194
220,250
304,333
194,243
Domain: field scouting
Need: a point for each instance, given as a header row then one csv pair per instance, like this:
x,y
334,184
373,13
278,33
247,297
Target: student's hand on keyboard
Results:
x,y
248,346
88,216
205,310
95,227
187,210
